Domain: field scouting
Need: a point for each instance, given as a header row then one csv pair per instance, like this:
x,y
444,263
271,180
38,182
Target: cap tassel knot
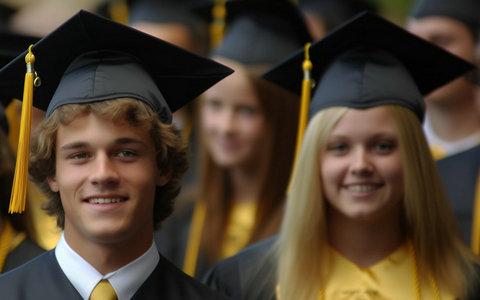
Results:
x,y
19,189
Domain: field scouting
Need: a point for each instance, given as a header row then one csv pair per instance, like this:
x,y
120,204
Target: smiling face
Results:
x,y
361,168
106,174
233,124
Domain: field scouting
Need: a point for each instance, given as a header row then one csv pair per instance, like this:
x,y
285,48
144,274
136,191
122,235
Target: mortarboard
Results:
x,y
259,31
367,62
465,11
90,58
163,75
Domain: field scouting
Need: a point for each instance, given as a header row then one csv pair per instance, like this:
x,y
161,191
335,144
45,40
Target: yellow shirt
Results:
x,y
392,278
239,228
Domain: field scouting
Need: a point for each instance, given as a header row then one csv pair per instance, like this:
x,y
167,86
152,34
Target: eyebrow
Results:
x,y
120,141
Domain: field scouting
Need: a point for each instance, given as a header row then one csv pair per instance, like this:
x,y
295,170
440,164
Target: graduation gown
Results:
x,y
251,274
459,175
42,278
24,252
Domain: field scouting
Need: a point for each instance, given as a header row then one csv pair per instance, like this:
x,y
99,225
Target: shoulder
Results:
x,y
169,282
237,275
24,252
40,278
469,159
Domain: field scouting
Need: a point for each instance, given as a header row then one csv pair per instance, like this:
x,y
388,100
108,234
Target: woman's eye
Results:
x,y
337,148
249,111
214,104
385,147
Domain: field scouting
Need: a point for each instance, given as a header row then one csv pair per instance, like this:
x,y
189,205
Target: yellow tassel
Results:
x,y
305,102
119,11
19,189
217,28
194,238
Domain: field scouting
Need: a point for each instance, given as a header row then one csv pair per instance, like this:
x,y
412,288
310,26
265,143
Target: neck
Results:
x,y
245,185
107,257
365,242
453,121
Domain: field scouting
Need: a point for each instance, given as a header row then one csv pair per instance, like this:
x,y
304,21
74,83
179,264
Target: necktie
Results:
x,y
103,291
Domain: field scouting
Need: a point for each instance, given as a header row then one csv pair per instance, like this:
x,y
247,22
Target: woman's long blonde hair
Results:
x,y
302,252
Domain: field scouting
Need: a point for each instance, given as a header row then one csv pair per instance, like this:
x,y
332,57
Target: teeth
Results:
x,y
361,188
104,200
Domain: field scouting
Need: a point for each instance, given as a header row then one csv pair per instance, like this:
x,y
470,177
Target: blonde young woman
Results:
x,y
366,217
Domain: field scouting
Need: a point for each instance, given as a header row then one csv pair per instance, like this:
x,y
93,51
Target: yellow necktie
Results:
x,y
103,291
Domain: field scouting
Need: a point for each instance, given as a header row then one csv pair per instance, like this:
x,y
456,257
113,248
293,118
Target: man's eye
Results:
x,y
126,153
80,155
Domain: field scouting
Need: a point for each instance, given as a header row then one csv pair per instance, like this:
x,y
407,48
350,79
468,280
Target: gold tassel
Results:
x,y
305,102
119,11
19,189
217,28
194,238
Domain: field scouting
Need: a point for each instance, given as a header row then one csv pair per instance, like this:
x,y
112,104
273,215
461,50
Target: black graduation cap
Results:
x,y
370,61
12,44
90,58
259,31
465,11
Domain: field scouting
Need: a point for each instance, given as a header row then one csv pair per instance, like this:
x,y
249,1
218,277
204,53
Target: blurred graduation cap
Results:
x,y
90,58
465,11
259,31
6,12
335,12
370,61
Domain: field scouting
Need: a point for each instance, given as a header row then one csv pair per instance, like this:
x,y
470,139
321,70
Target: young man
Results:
x,y
109,159
452,121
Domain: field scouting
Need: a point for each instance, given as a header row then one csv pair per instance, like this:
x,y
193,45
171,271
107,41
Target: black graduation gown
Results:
x,y
459,175
250,274
24,252
42,278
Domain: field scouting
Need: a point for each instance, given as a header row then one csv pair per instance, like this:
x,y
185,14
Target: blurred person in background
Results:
x,y
247,140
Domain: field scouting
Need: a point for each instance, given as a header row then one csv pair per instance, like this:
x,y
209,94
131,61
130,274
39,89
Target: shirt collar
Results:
x,y
84,277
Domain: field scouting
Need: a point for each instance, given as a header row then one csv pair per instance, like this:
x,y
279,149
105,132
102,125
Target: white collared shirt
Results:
x,y
126,280
448,147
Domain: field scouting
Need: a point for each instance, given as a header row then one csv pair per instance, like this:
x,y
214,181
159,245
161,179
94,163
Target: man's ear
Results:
x,y
164,175
52,182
